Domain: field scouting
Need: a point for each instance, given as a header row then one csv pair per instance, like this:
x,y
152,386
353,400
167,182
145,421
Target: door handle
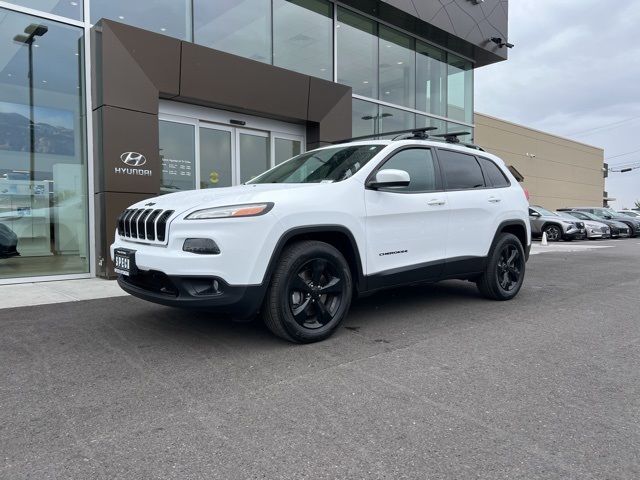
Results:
x,y
495,199
435,202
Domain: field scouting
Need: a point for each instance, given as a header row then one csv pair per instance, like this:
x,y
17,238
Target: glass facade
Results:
x,y
398,81
241,27
169,17
302,36
43,167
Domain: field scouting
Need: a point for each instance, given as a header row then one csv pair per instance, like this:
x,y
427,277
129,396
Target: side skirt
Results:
x,y
460,267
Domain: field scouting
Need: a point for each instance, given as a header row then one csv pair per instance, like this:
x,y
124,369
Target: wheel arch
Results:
x,y
338,236
515,227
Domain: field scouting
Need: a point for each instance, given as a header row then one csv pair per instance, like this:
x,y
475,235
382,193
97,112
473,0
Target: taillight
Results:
x,y
526,192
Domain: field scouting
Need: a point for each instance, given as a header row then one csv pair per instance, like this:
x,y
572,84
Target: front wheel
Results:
x,y
310,292
505,270
554,233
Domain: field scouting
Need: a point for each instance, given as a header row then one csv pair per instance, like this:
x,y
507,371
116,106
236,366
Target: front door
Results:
x,y
406,226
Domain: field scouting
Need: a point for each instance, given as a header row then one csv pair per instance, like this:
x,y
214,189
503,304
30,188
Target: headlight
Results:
x,y
231,211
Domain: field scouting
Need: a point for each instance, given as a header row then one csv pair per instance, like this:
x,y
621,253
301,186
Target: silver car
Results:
x,y
594,229
556,227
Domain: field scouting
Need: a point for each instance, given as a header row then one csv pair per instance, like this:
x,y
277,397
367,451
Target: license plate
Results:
x,y
124,261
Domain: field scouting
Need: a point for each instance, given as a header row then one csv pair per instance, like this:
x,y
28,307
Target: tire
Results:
x,y
554,233
295,308
492,283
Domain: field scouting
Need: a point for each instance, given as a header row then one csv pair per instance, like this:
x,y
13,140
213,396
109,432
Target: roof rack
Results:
x,y
412,133
418,133
452,137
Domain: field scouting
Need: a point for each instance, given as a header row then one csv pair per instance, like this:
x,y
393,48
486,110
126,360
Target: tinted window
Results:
x,y
461,171
418,163
494,174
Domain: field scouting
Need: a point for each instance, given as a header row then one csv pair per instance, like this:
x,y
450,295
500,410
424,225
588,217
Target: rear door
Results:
x,y
474,208
406,226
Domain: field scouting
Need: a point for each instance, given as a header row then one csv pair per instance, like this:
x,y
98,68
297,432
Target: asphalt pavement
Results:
x,y
422,382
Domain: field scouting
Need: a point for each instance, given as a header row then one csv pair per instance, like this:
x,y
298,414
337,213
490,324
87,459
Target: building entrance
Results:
x,y
207,148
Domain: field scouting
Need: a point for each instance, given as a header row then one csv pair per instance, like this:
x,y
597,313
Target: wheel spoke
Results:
x,y
298,283
505,280
299,312
324,316
332,286
319,267
512,257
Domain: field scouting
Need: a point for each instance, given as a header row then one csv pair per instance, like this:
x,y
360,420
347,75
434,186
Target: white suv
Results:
x,y
298,241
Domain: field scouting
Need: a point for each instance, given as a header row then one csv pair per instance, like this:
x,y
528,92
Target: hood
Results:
x,y
215,197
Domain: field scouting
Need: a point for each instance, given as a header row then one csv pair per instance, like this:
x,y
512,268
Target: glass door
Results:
x,y
285,146
216,153
253,153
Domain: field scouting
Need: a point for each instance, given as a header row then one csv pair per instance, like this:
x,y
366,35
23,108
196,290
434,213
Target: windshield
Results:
x,y
603,213
544,211
630,214
584,216
324,165
566,215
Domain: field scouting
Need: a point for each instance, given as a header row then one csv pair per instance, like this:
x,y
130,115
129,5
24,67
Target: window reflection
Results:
x,y
394,119
357,44
460,89
241,27
431,79
178,156
64,8
364,118
302,36
43,176
168,17
397,67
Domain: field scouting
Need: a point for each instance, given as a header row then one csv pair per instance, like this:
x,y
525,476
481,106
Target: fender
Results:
x,y
360,282
508,223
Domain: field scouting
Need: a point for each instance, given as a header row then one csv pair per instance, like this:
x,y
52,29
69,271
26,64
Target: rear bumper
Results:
x,y
242,301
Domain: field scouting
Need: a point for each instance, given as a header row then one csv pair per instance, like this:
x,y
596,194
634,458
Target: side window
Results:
x,y
419,164
495,176
461,171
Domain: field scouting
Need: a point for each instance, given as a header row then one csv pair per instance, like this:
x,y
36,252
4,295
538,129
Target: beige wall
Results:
x,y
563,173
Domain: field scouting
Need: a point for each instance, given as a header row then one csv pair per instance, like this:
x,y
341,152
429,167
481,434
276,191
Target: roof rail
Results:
x,y
414,133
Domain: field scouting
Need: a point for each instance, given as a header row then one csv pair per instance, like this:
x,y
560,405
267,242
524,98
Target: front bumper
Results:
x,y
574,235
242,301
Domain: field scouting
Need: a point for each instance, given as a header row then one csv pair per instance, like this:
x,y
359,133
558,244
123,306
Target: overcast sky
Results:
x,y
574,72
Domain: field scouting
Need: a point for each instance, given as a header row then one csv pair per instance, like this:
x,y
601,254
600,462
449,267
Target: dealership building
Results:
x,y
107,102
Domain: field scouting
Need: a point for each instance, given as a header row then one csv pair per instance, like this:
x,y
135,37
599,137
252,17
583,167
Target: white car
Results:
x,y
298,241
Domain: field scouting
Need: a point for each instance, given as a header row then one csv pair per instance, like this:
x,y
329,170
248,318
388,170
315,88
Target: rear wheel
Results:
x,y
505,270
310,292
554,233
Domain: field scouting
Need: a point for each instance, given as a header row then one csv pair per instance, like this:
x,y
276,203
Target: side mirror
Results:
x,y
390,178
534,214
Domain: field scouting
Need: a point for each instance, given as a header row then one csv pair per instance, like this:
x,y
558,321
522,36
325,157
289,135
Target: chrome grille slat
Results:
x,y
142,224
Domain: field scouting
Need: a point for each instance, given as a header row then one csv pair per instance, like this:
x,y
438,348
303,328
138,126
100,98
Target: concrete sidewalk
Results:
x,y
42,293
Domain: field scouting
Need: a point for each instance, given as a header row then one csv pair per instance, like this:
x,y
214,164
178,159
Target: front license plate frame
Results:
x,y
124,261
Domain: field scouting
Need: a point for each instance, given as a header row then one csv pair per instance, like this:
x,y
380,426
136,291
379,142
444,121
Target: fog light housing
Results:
x,y
201,246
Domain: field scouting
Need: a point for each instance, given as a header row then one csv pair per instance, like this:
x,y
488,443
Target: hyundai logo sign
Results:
x,y
133,159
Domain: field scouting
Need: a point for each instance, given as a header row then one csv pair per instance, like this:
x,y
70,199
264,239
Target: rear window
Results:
x,y
495,176
461,171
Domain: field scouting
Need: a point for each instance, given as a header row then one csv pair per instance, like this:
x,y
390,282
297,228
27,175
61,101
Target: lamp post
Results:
x,y
375,118
30,33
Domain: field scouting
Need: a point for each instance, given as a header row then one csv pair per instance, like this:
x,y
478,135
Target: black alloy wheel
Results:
x,y
315,293
310,292
509,268
554,233
504,274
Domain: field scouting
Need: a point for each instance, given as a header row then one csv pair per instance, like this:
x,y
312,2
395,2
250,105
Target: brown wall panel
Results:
x,y
330,106
216,78
120,131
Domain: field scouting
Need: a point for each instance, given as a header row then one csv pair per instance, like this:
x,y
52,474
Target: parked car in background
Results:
x,y
609,214
629,213
618,229
556,227
8,242
594,229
